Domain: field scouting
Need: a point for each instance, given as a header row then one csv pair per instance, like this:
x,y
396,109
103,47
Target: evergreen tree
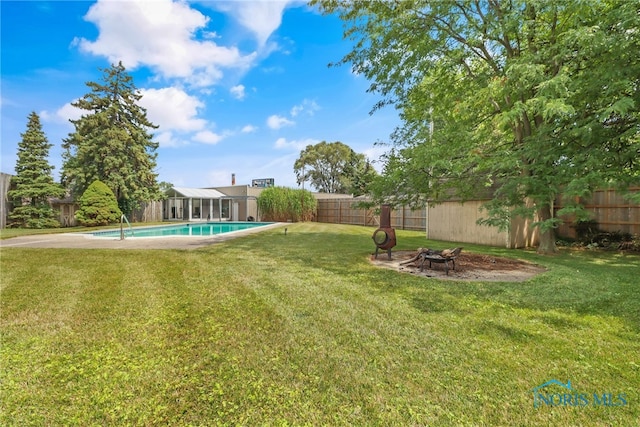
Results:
x,y
33,184
112,143
362,176
98,206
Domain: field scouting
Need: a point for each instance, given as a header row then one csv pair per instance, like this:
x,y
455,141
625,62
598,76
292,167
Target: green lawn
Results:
x,y
300,329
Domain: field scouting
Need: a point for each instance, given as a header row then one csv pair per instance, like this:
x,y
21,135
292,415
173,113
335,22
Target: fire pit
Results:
x,y
385,236
433,256
471,267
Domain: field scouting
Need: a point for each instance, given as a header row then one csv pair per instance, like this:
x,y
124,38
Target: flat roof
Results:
x,y
198,193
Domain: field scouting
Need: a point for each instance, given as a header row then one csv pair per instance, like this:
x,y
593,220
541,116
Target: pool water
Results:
x,y
204,229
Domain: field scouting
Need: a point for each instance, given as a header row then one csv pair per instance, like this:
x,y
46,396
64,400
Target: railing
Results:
x,y
124,219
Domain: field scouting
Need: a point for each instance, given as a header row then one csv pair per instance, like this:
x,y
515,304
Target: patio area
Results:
x,y
86,241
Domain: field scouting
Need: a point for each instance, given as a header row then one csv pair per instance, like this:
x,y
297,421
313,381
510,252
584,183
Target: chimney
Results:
x,y
233,179
385,216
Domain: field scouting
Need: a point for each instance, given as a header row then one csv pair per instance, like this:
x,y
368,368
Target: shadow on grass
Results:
x,y
435,302
510,332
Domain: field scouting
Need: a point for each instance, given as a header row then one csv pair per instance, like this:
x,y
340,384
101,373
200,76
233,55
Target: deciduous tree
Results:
x,y
33,183
333,168
521,100
112,143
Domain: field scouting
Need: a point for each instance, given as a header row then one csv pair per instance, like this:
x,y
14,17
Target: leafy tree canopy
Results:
x,y
112,142
520,100
33,184
334,168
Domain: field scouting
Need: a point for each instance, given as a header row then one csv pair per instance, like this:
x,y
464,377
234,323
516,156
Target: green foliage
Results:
x,y
98,206
112,142
362,177
33,185
334,168
517,101
286,204
33,215
300,329
164,188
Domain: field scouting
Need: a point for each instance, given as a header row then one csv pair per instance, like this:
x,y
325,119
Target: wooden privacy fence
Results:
x,y
609,209
451,221
148,212
455,221
346,211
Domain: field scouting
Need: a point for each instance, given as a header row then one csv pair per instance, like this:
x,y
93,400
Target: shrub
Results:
x,y
286,204
98,206
589,235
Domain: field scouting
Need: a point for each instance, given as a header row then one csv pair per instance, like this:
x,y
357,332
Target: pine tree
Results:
x,y
33,184
112,143
98,206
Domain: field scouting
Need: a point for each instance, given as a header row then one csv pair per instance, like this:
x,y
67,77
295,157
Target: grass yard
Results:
x,y
300,329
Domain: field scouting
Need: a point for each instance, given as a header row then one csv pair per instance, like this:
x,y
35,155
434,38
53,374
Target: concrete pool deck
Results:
x,y
87,241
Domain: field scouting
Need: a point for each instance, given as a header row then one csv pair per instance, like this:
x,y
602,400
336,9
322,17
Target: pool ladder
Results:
x,y
124,219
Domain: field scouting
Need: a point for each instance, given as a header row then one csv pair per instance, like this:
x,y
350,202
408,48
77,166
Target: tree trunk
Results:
x,y
547,243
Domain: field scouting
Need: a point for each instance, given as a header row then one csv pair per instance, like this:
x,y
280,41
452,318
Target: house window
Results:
x,y
225,208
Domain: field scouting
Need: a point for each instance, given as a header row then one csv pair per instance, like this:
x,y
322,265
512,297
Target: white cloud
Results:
x,y
172,109
167,139
277,122
283,144
308,106
296,110
160,34
63,114
261,17
208,137
249,129
238,92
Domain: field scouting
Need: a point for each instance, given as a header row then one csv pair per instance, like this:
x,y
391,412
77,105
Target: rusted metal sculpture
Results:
x,y
385,236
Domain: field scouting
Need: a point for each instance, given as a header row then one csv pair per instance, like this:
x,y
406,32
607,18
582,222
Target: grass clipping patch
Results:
x,y
469,267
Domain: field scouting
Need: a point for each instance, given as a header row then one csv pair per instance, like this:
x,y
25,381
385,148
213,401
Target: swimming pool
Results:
x,y
203,229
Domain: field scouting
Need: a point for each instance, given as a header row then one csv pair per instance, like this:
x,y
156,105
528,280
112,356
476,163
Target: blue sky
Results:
x,y
236,87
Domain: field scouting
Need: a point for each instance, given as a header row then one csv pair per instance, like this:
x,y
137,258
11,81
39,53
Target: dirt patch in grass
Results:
x,y
468,266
